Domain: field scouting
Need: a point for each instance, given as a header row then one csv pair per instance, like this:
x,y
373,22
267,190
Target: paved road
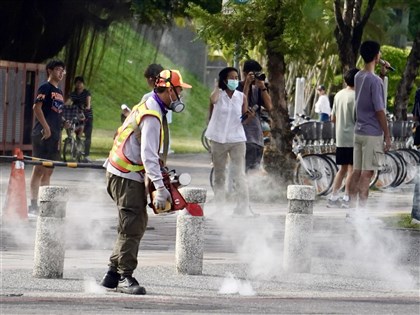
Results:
x,y
357,267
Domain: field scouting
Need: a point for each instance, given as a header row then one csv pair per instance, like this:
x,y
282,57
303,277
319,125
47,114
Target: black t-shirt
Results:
x,y
80,101
52,101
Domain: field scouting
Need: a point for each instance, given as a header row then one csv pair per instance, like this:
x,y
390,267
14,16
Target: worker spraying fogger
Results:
x,y
133,158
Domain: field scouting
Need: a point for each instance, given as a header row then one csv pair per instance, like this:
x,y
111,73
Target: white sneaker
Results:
x,y
415,221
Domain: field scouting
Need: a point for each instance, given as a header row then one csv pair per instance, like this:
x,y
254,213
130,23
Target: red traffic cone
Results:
x,y
16,206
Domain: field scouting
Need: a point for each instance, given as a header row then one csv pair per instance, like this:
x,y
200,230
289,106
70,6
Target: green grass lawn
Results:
x,y
118,79
402,220
102,142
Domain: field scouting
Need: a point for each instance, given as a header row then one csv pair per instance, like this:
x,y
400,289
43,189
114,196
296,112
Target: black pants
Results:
x,y
253,156
88,135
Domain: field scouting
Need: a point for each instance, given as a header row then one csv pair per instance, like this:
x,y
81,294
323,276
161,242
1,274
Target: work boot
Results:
x,y
129,285
110,280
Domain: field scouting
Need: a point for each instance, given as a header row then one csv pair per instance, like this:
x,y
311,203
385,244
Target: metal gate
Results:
x,y
18,85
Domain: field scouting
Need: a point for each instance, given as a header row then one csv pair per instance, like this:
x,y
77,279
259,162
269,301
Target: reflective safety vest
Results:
x,y
130,126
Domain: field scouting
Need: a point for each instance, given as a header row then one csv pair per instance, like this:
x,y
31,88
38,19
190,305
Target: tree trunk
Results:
x,y
407,80
349,30
279,159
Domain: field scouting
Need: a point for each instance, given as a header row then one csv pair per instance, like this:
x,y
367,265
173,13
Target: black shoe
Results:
x,y
110,280
129,285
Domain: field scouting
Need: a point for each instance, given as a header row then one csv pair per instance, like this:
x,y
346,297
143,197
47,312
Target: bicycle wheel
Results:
x,y
331,159
80,150
204,141
374,178
69,150
389,172
314,170
401,164
412,159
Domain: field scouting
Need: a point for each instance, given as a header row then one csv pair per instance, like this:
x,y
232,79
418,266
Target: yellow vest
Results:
x,y
131,125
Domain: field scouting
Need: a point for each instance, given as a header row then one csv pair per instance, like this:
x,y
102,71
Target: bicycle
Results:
x,y
314,169
400,163
74,145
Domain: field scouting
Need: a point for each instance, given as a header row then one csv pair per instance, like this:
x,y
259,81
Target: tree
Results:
x,y
349,29
33,31
412,66
276,28
407,80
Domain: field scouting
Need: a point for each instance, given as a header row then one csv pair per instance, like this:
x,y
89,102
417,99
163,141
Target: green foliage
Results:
x,y
119,79
160,12
402,220
414,23
245,25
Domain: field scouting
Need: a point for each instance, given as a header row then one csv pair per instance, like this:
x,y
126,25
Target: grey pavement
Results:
x,y
358,266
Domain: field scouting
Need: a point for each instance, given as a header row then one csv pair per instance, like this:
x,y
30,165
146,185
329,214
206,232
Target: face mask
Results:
x,y
232,84
176,106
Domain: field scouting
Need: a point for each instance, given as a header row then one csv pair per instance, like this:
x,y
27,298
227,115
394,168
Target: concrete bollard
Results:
x,y
298,229
190,232
50,233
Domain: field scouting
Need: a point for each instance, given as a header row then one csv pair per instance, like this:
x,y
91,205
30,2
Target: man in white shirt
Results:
x,y
322,106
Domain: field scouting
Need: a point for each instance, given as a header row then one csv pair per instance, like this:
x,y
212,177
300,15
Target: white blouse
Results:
x,y
225,125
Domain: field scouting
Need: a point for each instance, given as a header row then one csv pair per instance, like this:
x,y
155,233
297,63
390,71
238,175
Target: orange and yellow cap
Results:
x,y
168,78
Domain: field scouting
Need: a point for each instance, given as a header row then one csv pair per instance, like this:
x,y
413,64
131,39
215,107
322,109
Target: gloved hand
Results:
x,y
162,195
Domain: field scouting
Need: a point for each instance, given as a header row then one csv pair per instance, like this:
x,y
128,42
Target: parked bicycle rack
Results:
x,y
314,146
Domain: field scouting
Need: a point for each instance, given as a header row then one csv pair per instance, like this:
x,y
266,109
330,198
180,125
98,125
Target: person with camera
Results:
x,y
258,97
133,158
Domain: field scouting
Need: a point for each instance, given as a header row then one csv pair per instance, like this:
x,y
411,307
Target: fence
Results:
x,y
18,85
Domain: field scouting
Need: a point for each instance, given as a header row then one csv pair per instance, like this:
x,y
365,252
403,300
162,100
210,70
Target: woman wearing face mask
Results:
x,y
227,139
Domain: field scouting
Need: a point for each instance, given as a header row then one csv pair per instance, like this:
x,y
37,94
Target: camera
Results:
x,y
260,76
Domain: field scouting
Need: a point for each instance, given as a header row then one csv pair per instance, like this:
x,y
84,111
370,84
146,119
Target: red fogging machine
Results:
x,y
172,182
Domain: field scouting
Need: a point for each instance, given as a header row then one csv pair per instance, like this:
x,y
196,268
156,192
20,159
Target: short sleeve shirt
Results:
x,y
52,101
369,100
322,106
80,100
343,110
253,128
